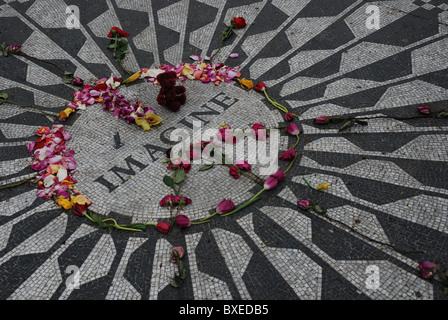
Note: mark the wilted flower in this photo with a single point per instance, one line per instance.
(14, 48)
(279, 175)
(183, 221)
(177, 251)
(424, 109)
(243, 165)
(163, 227)
(304, 204)
(167, 200)
(260, 87)
(292, 129)
(225, 206)
(288, 155)
(321, 120)
(427, 269)
(270, 183)
(80, 204)
(234, 172)
(289, 116)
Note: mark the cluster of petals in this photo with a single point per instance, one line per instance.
(205, 72)
(56, 165)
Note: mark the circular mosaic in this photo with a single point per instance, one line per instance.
(128, 179)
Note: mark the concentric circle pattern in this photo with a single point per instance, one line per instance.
(387, 181)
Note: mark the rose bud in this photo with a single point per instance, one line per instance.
(427, 269)
(13, 48)
(289, 116)
(292, 129)
(225, 206)
(288, 155)
(260, 87)
(304, 204)
(163, 227)
(183, 221)
(279, 175)
(321, 120)
(177, 251)
(115, 30)
(270, 183)
(424, 109)
(243, 165)
(239, 22)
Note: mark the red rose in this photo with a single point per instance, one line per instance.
(289, 116)
(260, 86)
(238, 22)
(117, 30)
(163, 227)
(288, 155)
(234, 171)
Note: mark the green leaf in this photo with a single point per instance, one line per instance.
(3, 96)
(320, 209)
(139, 226)
(67, 77)
(111, 45)
(5, 48)
(361, 122)
(179, 176)
(442, 114)
(168, 181)
(206, 167)
(174, 283)
(346, 125)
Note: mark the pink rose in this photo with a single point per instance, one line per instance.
(293, 129)
(270, 183)
(243, 165)
(234, 172)
(427, 269)
(225, 206)
(321, 120)
(304, 204)
(183, 221)
(288, 155)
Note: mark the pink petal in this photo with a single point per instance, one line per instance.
(234, 55)
(195, 57)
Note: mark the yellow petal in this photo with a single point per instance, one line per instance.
(80, 199)
(64, 114)
(134, 77)
(246, 83)
(143, 123)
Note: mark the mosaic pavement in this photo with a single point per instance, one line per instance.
(387, 180)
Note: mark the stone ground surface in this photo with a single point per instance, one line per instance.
(387, 180)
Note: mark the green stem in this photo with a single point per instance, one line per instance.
(209, 216)
(17, 183)
(257, 194)
(30, 106)
(120, 62)
(199, 222)
(290, 165)
(118, 226)
(309, 185)
(297, 142)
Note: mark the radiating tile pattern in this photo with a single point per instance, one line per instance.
(388, 193)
